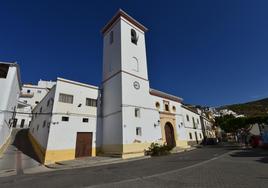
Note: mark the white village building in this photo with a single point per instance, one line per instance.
(10, 85)
(66, 113)
(30, 96)
(122, 117)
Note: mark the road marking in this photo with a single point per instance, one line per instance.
(161, 174)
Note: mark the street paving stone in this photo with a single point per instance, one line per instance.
(206, 167)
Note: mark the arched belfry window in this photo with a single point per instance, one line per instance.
(134, 36)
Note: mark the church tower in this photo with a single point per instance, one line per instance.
(128, 118)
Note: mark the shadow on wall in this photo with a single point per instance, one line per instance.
(262, 154)
(22, 143)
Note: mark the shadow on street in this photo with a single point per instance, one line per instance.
(22, 143)
(261, 153)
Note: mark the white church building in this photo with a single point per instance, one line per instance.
(122, 117)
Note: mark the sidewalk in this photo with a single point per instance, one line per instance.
(90, 162)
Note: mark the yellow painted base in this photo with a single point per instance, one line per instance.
(52, 156)
(126, 151)
(39, 150)
(5, 145)
(182, 144)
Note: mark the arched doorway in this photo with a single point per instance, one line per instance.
(169, 131)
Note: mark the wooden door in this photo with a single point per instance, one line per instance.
(169, 132)
(83, 144)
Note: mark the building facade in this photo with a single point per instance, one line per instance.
(122, 117)
(10, 85)
(30, 96)
(63, 125)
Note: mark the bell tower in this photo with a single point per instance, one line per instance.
(125, 85)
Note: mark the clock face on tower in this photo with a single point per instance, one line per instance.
(136, 85)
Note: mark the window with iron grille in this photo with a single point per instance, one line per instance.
(91, 102)
(66, 98)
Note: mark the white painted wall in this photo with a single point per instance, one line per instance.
(37, 130)
(23, 112)
(57, 140)
(9, 93)
(189, 125)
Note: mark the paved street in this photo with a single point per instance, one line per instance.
(205, 167)
(19, 155)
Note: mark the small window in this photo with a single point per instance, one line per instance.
(64, 118)
(48, 102)
(111, 37)
(91, 102)
(157, 105)
(200, 136)
(39, 91)
(28, 91)
(85, 120)
(197, 121)
(166, 107)
(25, 101)
(44, 124)
(137, 112)
(194, 125)
(4, 70)
(138, 131)
(41, 110)
(190, 136)
(36, 102)
(187, 117)
(66, 98)
(174, 108)
(22, 123)
(134, 37)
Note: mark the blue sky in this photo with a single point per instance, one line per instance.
(207, 52)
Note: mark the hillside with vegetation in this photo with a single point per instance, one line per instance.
(254, 108)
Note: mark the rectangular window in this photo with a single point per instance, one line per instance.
(166, 104)
(85, 120)
(190, 135)
(4, 70)
(48, 102)
(137, 112)
(44, 124)
(194, 126)
(22, 123)
(91, 102)
(64, 118)
(39, 91)
(66, 98)
(138, 131)
(187, 117)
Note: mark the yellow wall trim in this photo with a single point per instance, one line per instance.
(39, 150)
(5, 145)
(53, 156)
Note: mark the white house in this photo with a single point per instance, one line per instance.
(10, 84)
(192, 124)
(67, 123)
(30, 96)
(64, 122)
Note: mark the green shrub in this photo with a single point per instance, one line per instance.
(157, 150)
